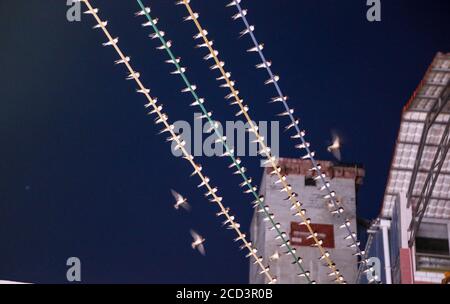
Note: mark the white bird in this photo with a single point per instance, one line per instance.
(242, 111)
(241, 14)
(177, 60)
(101, 24)
(278, 99)
(198, 169)
(247, 30)
(191, 17)
(209, 114)
(182, 2)
(206, 44)
(232, 3)
(92, 12)
(198, 102)
(335, 147)
(274, 256)
(200, 34)
(111, 42)
(275, 78)
(198, 242)
(292, 125)
(134, 75)
(150, 23)
(217, 66)
(168, 45)
(286, 113)
(143, 91)
(180, 201)
(143, 12)
(257, 48)
(127, 59)
(178, 71)
(227, 75)
(211, 55)
(157, 35)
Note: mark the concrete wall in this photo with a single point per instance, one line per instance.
(317, 210)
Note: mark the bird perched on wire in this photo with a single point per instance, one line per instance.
(198, 242)
(180, 201)
(335, 147)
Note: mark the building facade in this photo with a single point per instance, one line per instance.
(345, 180)
(411, 236)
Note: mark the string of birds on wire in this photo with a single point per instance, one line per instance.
(162, 118)
(236, 163)
(265, 150)
(330, 195)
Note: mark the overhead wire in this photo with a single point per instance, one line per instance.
(229, 151)
(162, 118)
(265, 150)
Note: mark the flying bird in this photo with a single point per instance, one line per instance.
(198, 242)
(335, 147)
(180, 201)
(274, 256)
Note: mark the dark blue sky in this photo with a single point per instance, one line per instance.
(82, 172)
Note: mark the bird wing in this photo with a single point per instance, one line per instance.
(336, 142)
(201, 249)
(335, 147)
(176, 195)
(195, 235)
(337, 153)
(186, 206)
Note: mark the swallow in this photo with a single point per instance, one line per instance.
(143, 12)
(265, 64)
(274, 79)
(133, 75)
(200, 34)
(100, 25)
(157, 35)
(248, 30)
(241, 14)
(91, 11)
(191, 17)
(232, 3)
(257, 48)
(120, 61)
(111, 42)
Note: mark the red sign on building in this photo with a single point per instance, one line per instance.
(299, 234)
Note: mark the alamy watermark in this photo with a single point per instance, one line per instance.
(73, 274)
(374, 271)
(374, 11)
(202, 139)
(74, 12)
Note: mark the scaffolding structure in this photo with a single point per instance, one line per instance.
(418, 186)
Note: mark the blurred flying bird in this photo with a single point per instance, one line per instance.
(180, 201)
(274, 256)
(198, 242)
(335, 147)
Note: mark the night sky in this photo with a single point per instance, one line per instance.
(83, 172)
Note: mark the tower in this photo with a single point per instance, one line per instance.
(345, 180)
